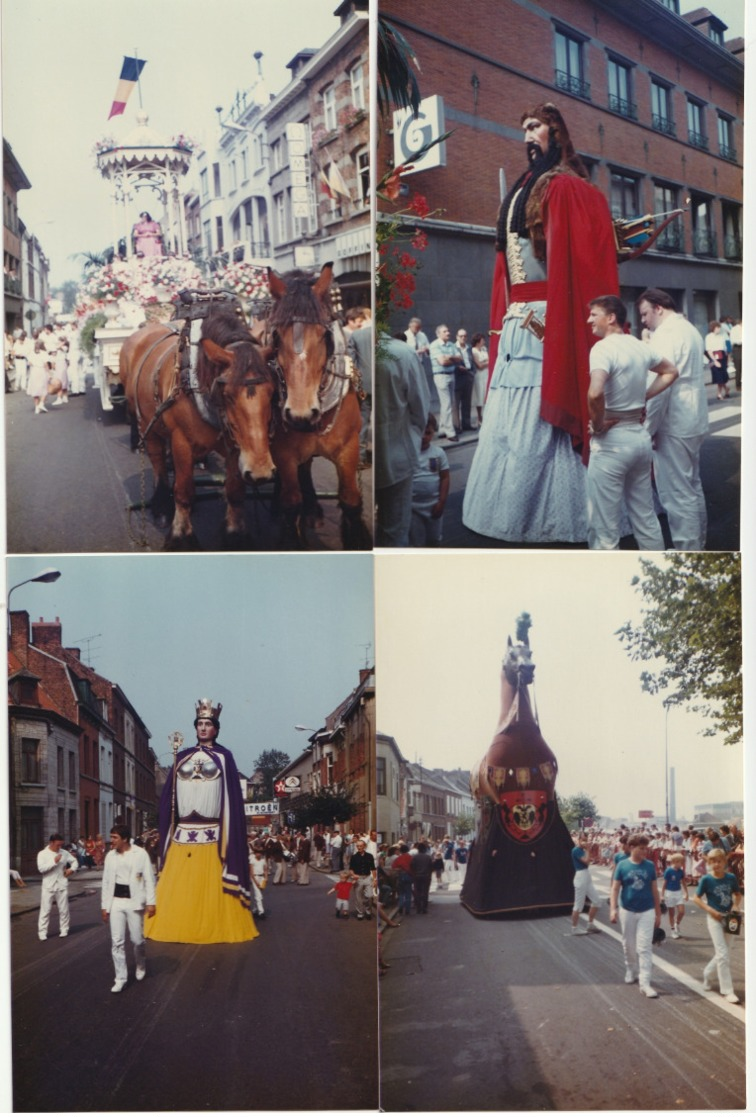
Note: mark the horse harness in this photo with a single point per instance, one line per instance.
(338, 375)
(195, 307)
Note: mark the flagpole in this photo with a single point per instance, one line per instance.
(139, 76)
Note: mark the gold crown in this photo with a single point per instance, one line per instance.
(206, 709)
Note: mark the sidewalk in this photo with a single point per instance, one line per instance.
(83, 882)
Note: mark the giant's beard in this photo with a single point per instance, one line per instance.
(540, 163)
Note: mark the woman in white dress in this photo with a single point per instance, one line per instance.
(480, 387)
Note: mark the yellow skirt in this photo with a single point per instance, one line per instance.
(191, 905)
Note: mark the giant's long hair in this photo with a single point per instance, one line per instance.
(559, 156)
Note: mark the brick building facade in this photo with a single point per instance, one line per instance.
(654, 105)
(110, 773)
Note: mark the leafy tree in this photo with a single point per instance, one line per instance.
(325, 806)
(67, 293)
(270, 763)
(464, 824)
(575, 808)
(691, 627)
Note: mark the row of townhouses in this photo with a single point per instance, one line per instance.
(79, 753)
(415, 802)
(26, 269)
(340, 754)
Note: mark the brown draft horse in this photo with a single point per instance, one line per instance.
(234, 389)
(319, 411)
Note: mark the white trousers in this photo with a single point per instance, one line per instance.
(257, 896)
(721, 960)
(678, 483)
(637, 942)
(122, 917)
(60, 897)
(620, 466)
(584, 890)
(445, 387)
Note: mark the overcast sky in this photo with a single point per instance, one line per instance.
(441, 632)
(61, 64)
(278, 639)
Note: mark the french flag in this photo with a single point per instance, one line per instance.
(130, 71)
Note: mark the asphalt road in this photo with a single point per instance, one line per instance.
(288, 1021)
(720, 477)
(518, 1015)
(74, 485)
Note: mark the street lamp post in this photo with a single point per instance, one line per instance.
(49, 574)
(670, 701)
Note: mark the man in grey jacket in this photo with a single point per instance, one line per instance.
(128, 890)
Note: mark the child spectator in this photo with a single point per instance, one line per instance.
(343, 889)
(674, 892)
(718, 894)
(258, 877)
(430, 489)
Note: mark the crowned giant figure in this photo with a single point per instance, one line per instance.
(203, 892)
(522, 854)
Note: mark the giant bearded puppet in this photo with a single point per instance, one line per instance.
(203, 892)
(555, 251)
(521, 858)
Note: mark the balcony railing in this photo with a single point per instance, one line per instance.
(704, 242)
(671, 240)
(728, 152)
(624, 108)
(697, 139)
(573, 85)
(733, 248)
(11, 286)
(663, 124)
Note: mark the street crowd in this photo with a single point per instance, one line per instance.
(652, 872)
(585, 431)
(47, 364)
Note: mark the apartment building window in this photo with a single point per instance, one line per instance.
(716, 35)
(276, 155)
(624, 195)
(219, 233)
(61, 768)
(620, 89)
(569, 64)
(234, 175)
(204, 189)
(357, 80)
(217, 180)
(666, 198)
(279, 208)
(726, 137)
(704, 237)
(72, 771)
(208, 236)
(380, 775)
(673, 5)
(245, 164)
(329, 108)
(661, 108)
(732, 217)
(362, 161)
(697, 124)
(31, 769)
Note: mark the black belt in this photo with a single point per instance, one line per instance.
(122, 892)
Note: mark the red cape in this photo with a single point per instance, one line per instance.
(582, 264)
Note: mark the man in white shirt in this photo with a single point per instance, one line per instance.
(620, 461)
(128, 890)
(678, 420)
(55, 865)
